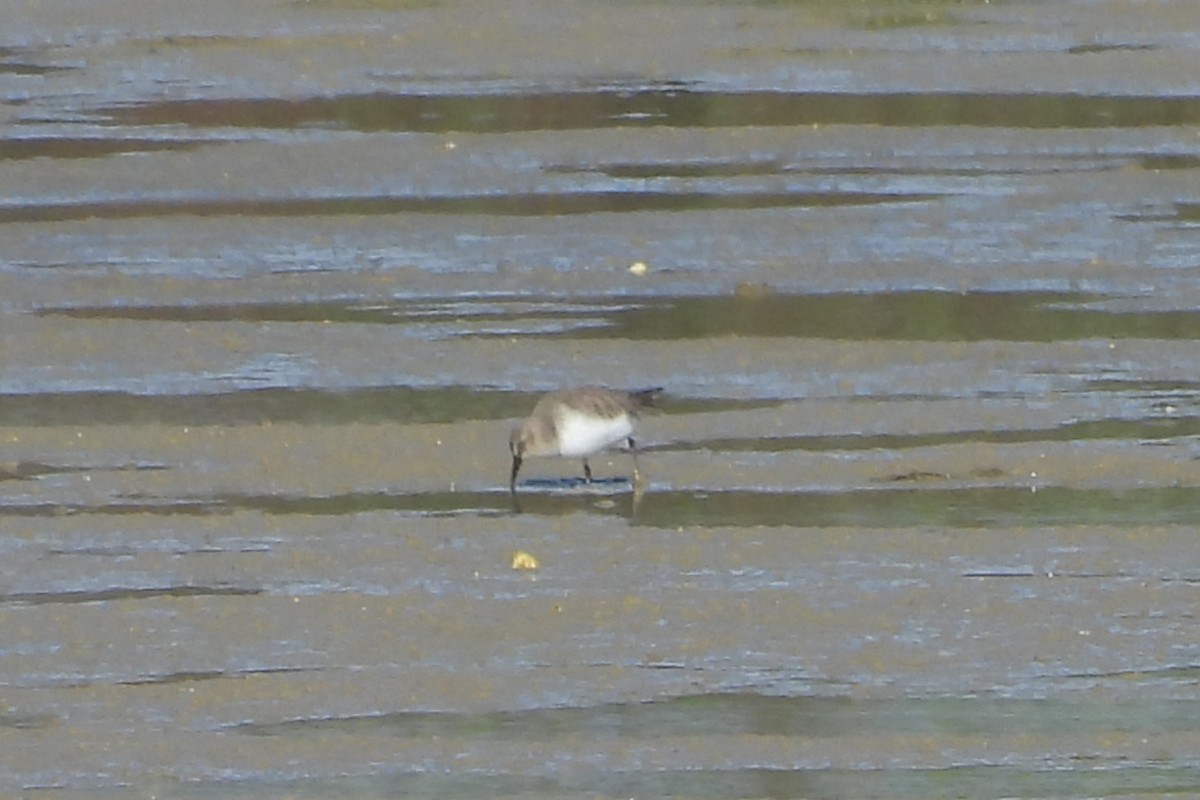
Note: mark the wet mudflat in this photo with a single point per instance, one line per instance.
(920, 280)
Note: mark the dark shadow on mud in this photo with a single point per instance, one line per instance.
(671, 105)
(83, 147)
(122, 593)
(900, 505)
(737, 716)
(548, 204)
(754, 311)
(385, 404)
(1146, 430)
(194, 676)
(749, 714)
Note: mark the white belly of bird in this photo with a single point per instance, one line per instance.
(582, 434)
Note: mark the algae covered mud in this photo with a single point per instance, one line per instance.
(922, 495)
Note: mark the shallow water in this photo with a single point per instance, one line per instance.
(919, 280)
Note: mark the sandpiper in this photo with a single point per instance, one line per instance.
(578, 423)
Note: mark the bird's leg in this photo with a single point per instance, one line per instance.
(587, 471)
(512, 479)
(637, 475)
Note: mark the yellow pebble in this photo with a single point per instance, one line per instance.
(523, 560)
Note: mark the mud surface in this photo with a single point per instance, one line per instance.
(920, 280)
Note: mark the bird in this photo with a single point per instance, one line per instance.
(577, 423)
